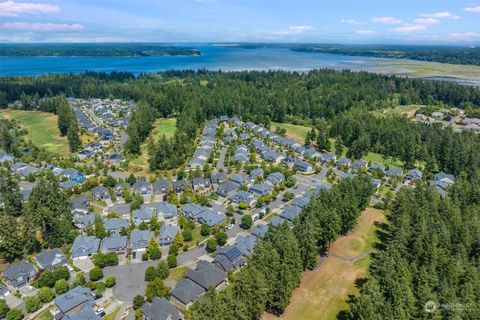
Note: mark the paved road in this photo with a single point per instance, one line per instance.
(221, 159)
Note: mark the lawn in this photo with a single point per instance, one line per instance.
(177, 273)
(196, 237)
(42, 129)
(408, 110)
(294, 131)
(323, 292)
(162, 126)
(46, 315)
(111, 316)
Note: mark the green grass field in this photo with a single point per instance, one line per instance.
(323, 292)
(408, 110)
(162, 126)
(42, 129)
(177, 273)
(294, 131)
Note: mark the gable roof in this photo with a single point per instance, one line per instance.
(116, 224)
(290, 212)
(84, 246)
(18, 273)
(168, 232)
(114, 243)
(260, 230)
(206, 275)
(161, 309)
(167, 210)
(73, 298)
(187, 291)
(50, 258)
(139, 238)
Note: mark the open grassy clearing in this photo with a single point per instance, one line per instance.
(162, 126)
(46, 315)
(323, 292)
(296, 132)
(430, 69)
(177, 273)
(113, 315)
(408, 110)
(42, 129)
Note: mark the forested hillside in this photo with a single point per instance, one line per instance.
(430, 253)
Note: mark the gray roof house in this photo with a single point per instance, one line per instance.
(72, 302)
(301, 202)
(200, 183)
(122, 209)
(227, 189)
(116, 224)
(51, 258)
(166, 210)
(275, 178)
(186, 292)
(80, 204)
(142, 186)
(343, 162)
(160, 309)
(328, 157)
(100, 192)
(359, 163)
(258, 172)
(179, 185)
(239, 179)
(245, 244)
(144, 214)
(228, 258)
(394, 171)
(377, 167)
(161, 186)
(219, 177)
(4, 291)
(290, 213)
(210, 217)
(414, 174)
(260, 230)
(444, 176)
(139, 239)
(84, 246)
(116, 244)
(261, 189)
(120, 187)
(207, 275)
(303, 166)
(243, 196)
(19, 273)
(167, 234)
(192, 210)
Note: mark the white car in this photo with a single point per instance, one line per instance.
(230, 226)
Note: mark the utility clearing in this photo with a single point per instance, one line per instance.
(323, 292)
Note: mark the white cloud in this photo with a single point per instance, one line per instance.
(300, 29)
(386, 20)
(409, 28)
(472, 9)
(13, 9)
(351, 21)
(451, 37)
(42, 27)
(426, 21)
(365, 31)
(440, 15)
(465, 36)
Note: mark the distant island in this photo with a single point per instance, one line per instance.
(94, 50)
(442, 54)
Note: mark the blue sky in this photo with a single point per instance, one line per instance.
(354, 21)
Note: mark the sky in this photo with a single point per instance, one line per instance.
(330, 21)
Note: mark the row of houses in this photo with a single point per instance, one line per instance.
(205, 147)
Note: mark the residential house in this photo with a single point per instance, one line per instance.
(243, 196)
(301, 202)
(258, 172)
(82, 221)
(343, 162)
(328, 157)
(186, 292)
(117, 244)
(311, 153)
(160, 309)
(4, 291)
(139, 239)
(76, 304)
(377, 167)
(240, 179)
(272, 156)
(100, 192)
(166, 210)
(167, 234)
(276, 221)
(210, 217)
(120, 187)
(359, 163)
(261, 189)
(161, 186)
(394, 171)
(414, 175)
(51, 258)
(144, 214)
(219, 177)
(227, 189)
(84, 247)
(192, 210)
(228, 258)
(114, 225)
(143, 187)
(19, 273)
(122, 209)
(207, 275)
(303, 166)
(179, 186)
(245, 244)
(80, 205)
(289, 213)
(260, 230)
(200, 184)
(6, 157)
(275, 178)
(376, 183)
